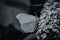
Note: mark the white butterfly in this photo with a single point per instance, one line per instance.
(27, 22)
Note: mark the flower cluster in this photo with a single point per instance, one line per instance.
(49, 20)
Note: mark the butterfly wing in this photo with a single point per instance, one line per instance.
(27, 22)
